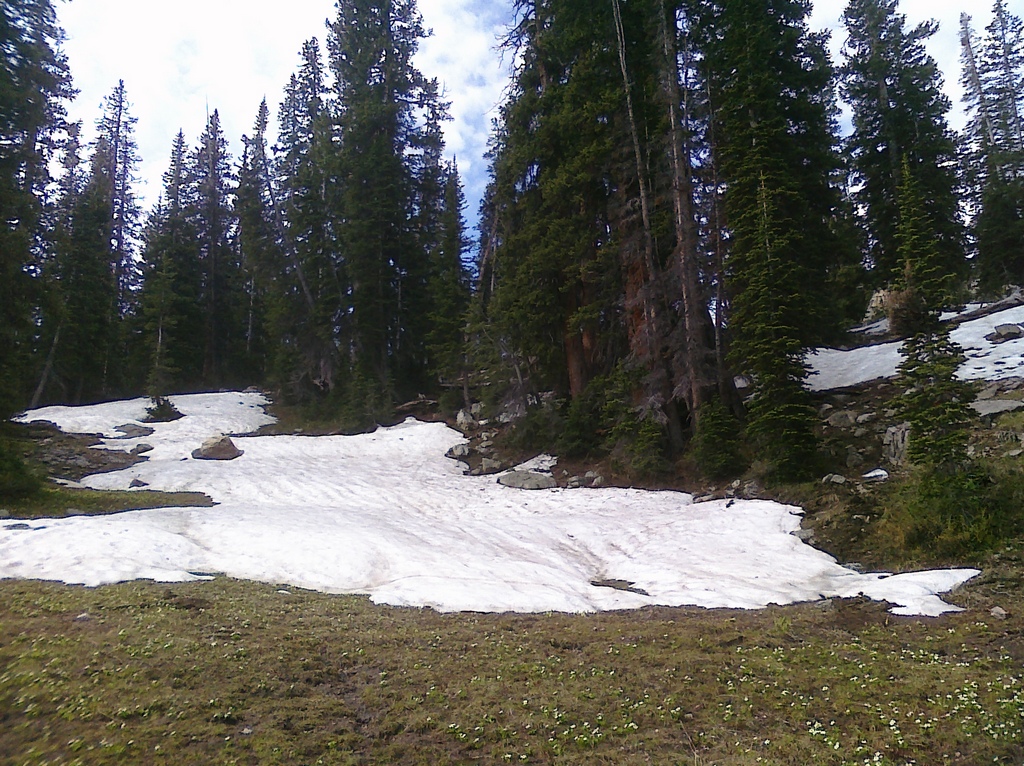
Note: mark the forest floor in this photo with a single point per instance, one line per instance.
(229, 671)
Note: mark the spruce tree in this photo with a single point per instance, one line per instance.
(994, 159)
(899, 113)
(34, 85)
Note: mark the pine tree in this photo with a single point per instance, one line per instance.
(221, 281)
(170, 300)
(371, 47)
(899, 113)
(34, 84)
(449, 291)
(994, 160)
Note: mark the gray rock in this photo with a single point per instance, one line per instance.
(487, 465)
(1014, 453)
(598, 482)
(1009, 331)
(137, 484)
(485, 445)
(860, 433)
(134, 431)
(527, 480)
(574, 483)
(217, 448)
(806, 535)
(867, 417)
(838, 479)
(465, 421)
(476, 410)
(825, 410)
(458, 452)
(4, 513)
(999, 613)
(989, 392)
(842, 419)
(990, 407)
(142, 449)
(854, 459)
(894, 443)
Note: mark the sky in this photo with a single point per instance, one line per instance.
(180, 59)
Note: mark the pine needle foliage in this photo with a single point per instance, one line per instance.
(935, 403)
(768, 347)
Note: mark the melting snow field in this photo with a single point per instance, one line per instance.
(833, 368)
(386, 514)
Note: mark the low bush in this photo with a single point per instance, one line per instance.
(955, 515)
(16, 480)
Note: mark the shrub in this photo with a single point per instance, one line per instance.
(955, 514)
(716, 445)
(162, 411)
(16, 480)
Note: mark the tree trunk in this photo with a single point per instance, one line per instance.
(47, 369)
(651, 293)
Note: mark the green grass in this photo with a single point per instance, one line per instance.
(58, 502)
(232, 672)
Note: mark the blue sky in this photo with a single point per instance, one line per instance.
(178, 59)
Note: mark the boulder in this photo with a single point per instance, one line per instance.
(1009, 331)
(894, 443)
(527, 480)
(842, 419)
(458, 452)
(465, 421)
(217, 448)
(133, 431)
(137, 484)
(988, 407)
(142, 449)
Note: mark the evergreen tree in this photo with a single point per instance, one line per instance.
(371, 46)
(221, 281)
(899, 113)
(170, 302)
(34, 84)
(775, 151)
(993, 83)
(449, 291)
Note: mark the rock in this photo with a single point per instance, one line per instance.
(860, 433)
(598, 482)
(590, 475)
(142, 449)
(842, 419)
(246, 731)
(137, 484)
(527, 480)
(574, 483)
(217, 448)
(485, 445)
(989, 392)
(1009, 331)
(867, 417)
(825, 410)
(805, 535)
(476, 410)
(83, 617)
(4, 513)
(458, 452)
(1014, 453)
(990, 407)
(999, 613)
(838, 479)
(894, 443)
(133, 431)
(879, 474)
(465, 421)
(854, 459)
(487, 465)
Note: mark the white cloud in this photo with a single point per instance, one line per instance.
(178, 59)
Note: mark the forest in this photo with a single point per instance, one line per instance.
(673, 205)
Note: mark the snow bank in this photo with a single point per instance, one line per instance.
(832, 368)
(385, 514)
